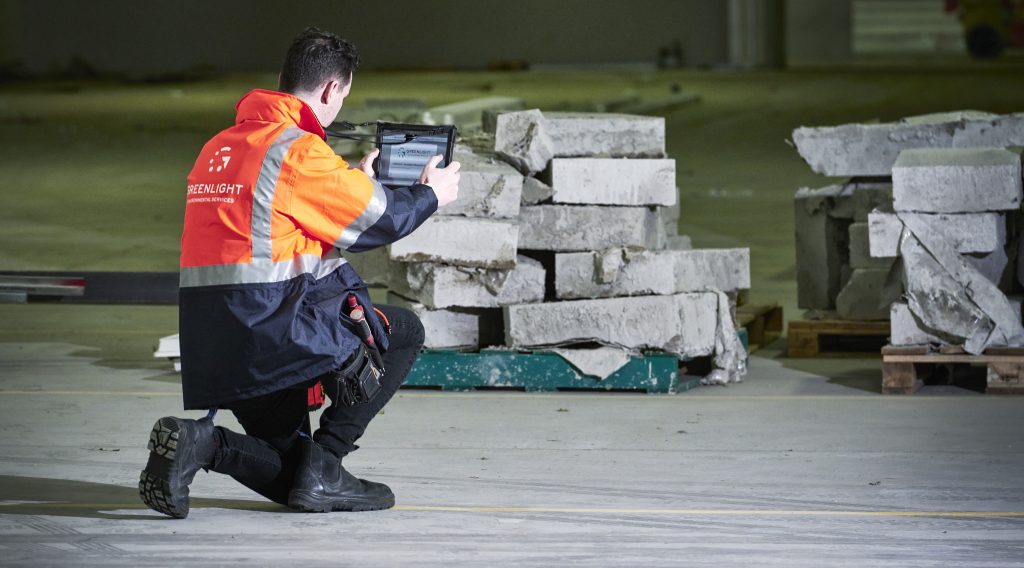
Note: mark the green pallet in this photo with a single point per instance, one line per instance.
(744, 339)
(494, 369)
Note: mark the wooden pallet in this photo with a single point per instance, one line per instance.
(900, 367)
(763, 324)
(834, 338)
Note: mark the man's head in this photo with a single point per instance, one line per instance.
(318, 69)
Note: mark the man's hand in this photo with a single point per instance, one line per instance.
(444, 181)
(366, 164)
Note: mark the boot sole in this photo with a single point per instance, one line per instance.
(313, 503)
(154, 490)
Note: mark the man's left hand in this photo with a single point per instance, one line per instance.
(366, 164)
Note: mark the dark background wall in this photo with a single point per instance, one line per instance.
(129, 36)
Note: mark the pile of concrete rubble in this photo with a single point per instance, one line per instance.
(564, 239)
(926, 230)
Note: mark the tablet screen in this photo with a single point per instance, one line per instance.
(404, 153)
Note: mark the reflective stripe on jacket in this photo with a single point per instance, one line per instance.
(269, 207)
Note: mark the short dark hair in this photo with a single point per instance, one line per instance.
(316, 57)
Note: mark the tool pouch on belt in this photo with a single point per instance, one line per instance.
(356, 382)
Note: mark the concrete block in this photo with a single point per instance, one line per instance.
(461, 241)
(957, 180)
(631, 272)
(583, 134)
(822, 244)
(860, 249)
(905, 329)
(444, 329)
(861, 298)
(584, 228)
(606, 181)
(521, 139)
(604, 134)
(444, 286)
(535, 191)
(966, 233)
(871, 149)
(488, 188)
(684, 324)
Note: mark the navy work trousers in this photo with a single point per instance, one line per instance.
(264, 459)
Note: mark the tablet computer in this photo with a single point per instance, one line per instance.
(406, 148)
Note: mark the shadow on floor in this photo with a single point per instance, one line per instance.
(67, 498)
(866, 379)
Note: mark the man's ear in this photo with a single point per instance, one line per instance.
(329, 91)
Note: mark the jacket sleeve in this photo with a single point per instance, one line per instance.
(342, 205)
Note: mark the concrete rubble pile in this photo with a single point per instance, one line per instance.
(564, 239)
(931, 241)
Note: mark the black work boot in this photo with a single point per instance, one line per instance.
(322, 485)
(178, 448)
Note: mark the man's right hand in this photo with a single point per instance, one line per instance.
(444, 181)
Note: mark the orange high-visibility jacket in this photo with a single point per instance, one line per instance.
(269, 207)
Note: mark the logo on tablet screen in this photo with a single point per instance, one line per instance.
(405, 152)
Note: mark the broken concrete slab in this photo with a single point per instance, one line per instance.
(462, 241)
(588, 227)
(906, 329)
(966, 233)
(535, 191)
(488, 187)
(822, 244)
(861, 298)
(444, 286)
(443, 329)
(607, 181)
(630, 272)
(730, 355)
(521, 139)
(860, 249)
(948, 294)
(872, 149)
(957, 180)
(683, 324)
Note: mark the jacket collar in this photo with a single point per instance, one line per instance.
(272, 106)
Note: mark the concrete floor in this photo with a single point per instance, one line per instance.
(804, 464)
(788, 469)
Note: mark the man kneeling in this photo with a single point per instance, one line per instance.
(269, 309)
